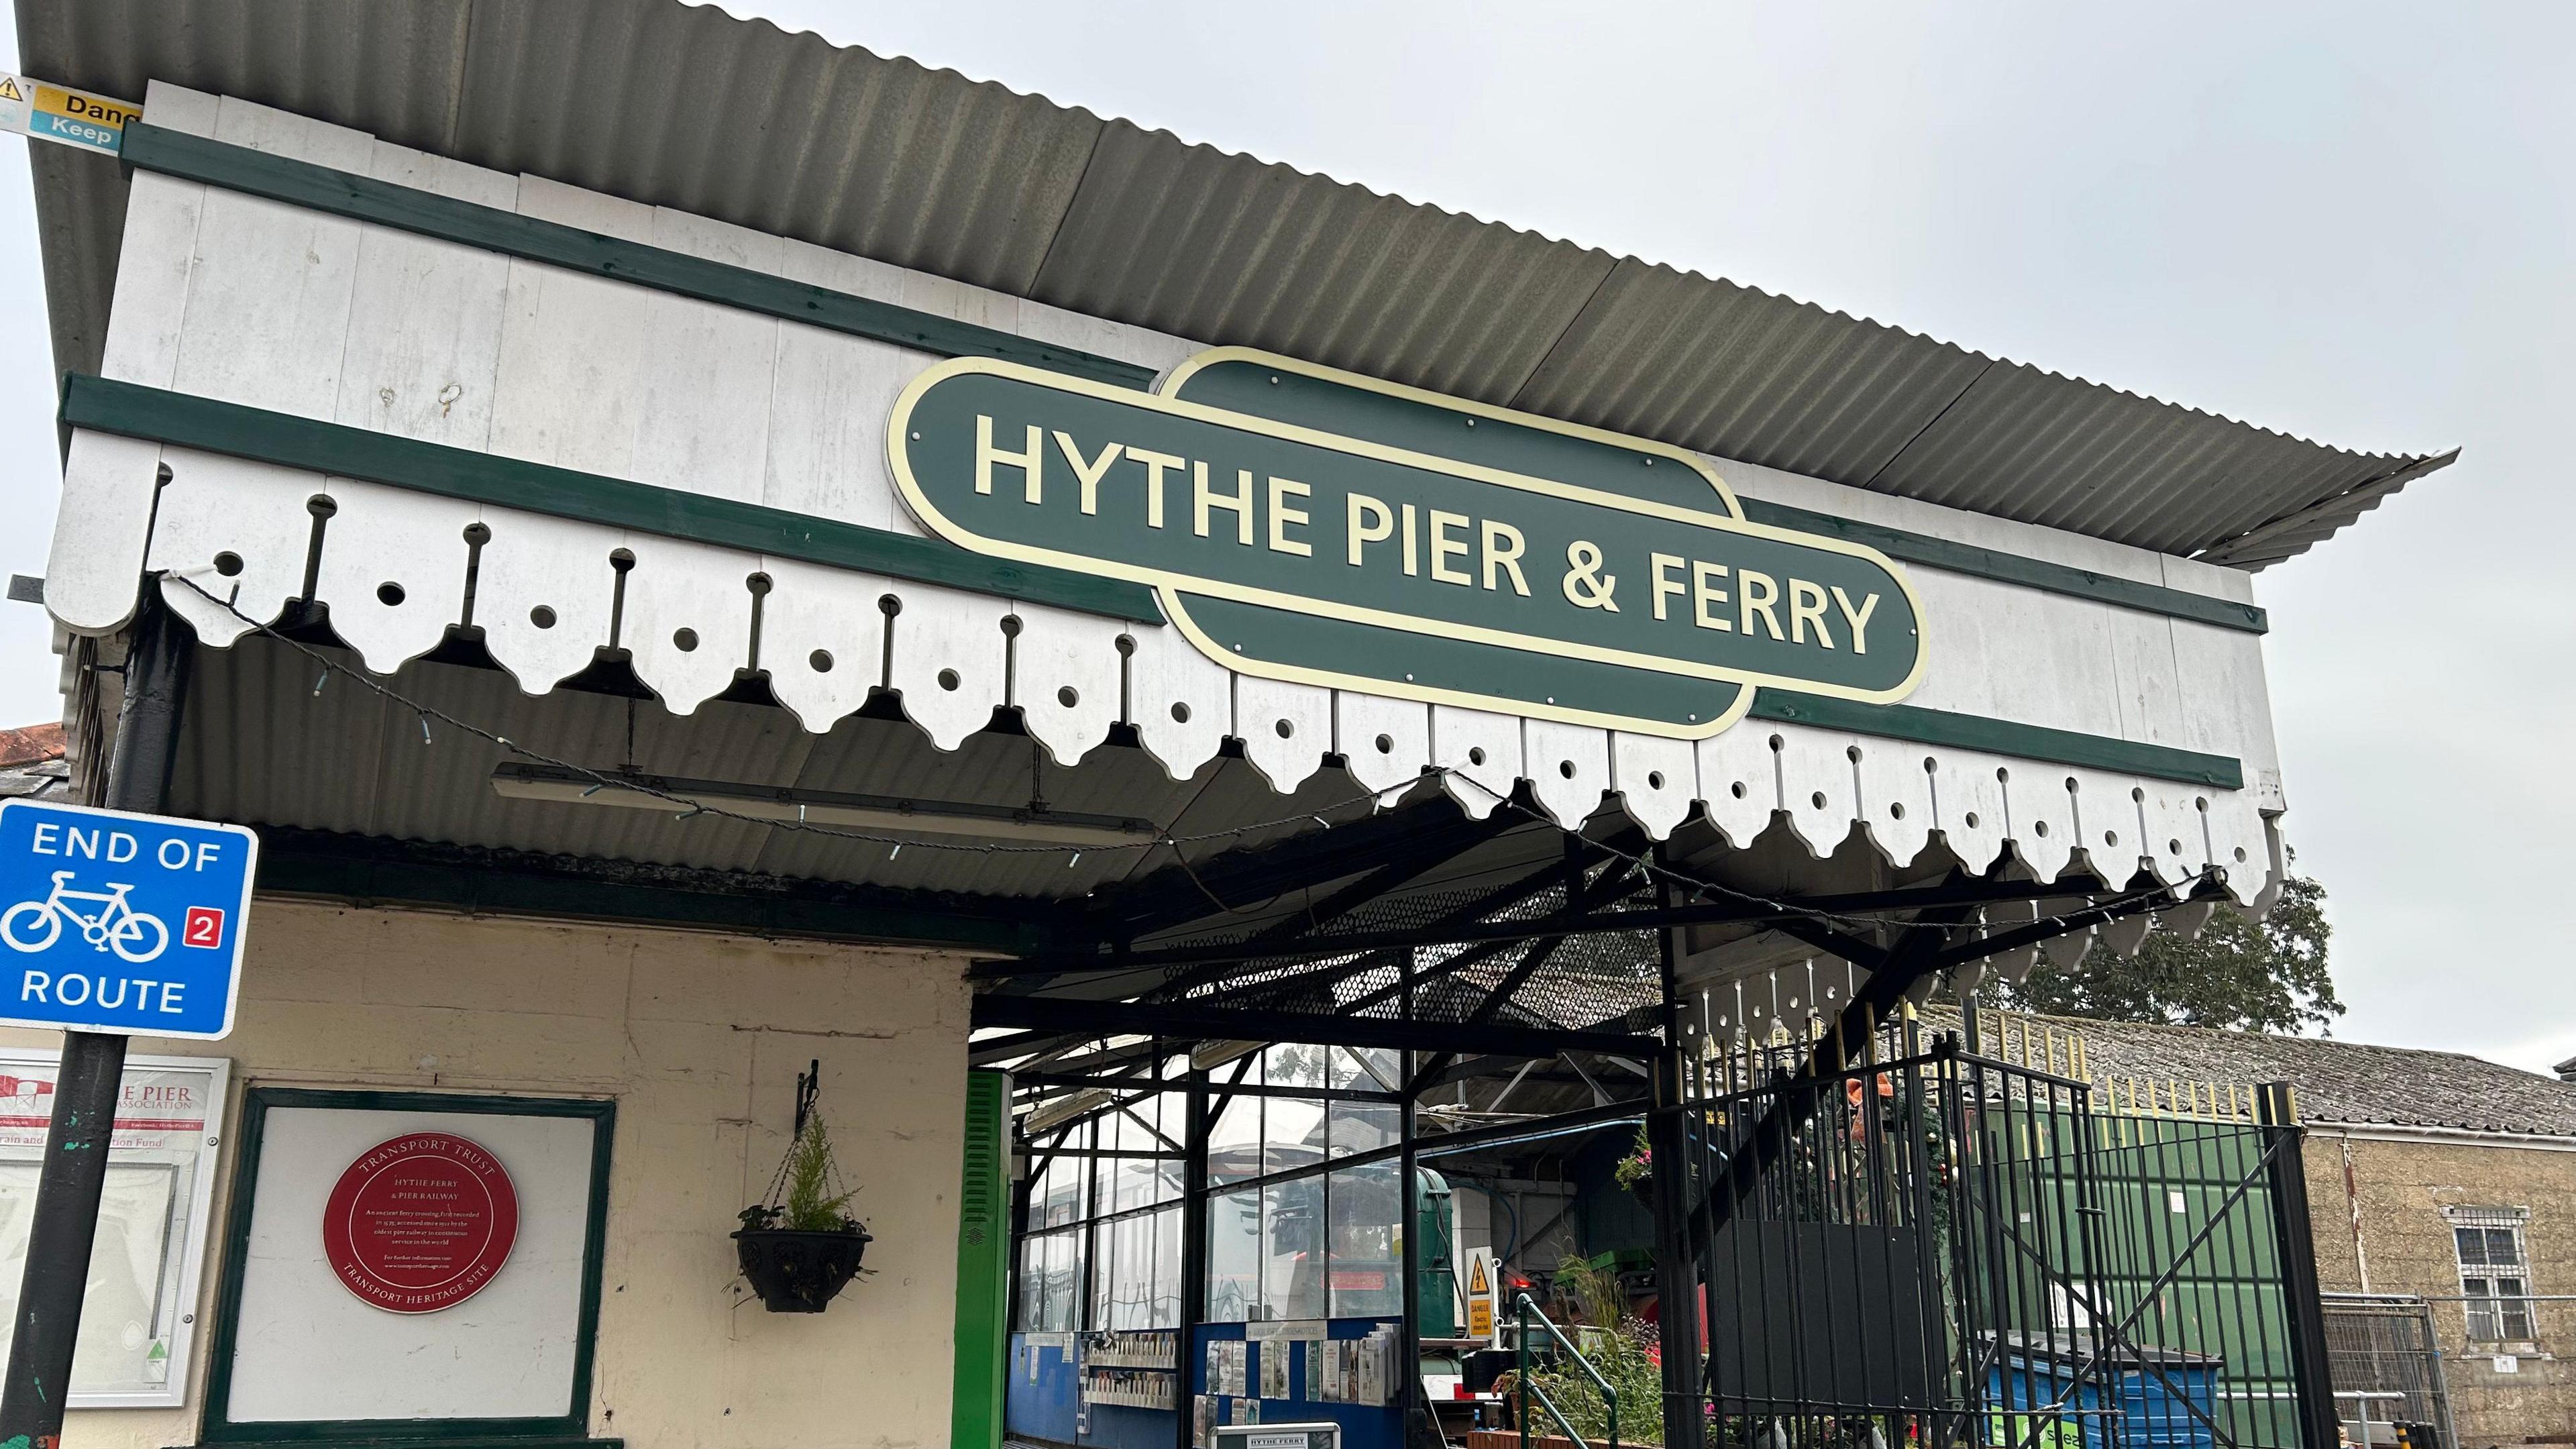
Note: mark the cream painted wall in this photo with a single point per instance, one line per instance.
(699, 1039)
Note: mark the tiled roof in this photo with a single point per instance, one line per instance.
(2336, 1081)
(31, 761)
(31, 745)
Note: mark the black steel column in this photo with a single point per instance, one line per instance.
(86, 1090)
(1408, 1252)
(1194, 1245)
(1668, 1141)
(2286, 1175)
(1020, 1188)
(1409, 1349)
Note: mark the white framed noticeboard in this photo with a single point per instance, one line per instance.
(141, 1313)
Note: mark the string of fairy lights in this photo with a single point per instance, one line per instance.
(1693, 889)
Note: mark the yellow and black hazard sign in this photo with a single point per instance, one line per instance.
(1480, 1295)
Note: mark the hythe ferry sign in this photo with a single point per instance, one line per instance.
(1315, 526)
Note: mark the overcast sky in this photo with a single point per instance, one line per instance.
(2350, 222)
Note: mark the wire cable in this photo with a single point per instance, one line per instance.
(1699, 890)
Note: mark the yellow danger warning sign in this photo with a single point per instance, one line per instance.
(61, 114)
(1480, 1295)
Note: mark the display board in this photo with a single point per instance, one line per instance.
(141, 1312)
(412, 1256)
(1342, 1371)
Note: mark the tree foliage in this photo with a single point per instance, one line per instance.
(2267, 975)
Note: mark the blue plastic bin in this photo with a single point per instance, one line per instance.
(2144, 1398)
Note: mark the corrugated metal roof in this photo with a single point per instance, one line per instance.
(1228, 249)
(264, 746)
(929, 170)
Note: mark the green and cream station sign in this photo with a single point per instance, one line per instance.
(1312, 526)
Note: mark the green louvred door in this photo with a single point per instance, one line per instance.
(983, 1264)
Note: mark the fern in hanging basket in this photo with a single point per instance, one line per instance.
(800, 1247)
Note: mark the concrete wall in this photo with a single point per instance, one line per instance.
(2399, 1189)
(699, 1039)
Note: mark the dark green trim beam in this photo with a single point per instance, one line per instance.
(183, 420)
(2001, 737)
(2010, 568)
(361, 198)
(1197, 1022)
(367, 870)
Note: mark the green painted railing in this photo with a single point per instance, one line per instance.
(1521, 1384)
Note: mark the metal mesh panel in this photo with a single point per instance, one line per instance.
(2387, 1369)
(1609, 980)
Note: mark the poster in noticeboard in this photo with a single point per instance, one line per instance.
(140, 1314)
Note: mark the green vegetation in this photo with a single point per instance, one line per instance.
(810, 1205)
(1622, 1349)
(2267, 975)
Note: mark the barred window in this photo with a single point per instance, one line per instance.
(2495, 1275)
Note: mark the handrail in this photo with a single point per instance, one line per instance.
(1553, 1412)
(1527, 1309)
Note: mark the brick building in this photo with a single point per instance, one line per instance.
(2433, 1178)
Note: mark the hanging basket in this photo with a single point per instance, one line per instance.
(798, 1247)
(799, 1272)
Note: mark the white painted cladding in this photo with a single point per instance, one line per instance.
(255, 302)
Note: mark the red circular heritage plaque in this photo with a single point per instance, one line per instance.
(420, 1222)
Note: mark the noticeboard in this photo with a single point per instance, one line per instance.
(140, 1314)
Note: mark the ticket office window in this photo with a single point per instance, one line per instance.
(1103, 1246)
(1324, 1244)
(410, 1264)
(1313, 1240)
(1310, 1240)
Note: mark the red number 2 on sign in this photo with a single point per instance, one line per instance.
(204, 927)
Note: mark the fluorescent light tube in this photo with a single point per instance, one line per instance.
(1015, 823)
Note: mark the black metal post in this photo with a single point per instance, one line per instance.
(2319, 1424)
(65, 1224)
(1410, 1343)
(1668, 1142)
(1021, 1187)
(1409, 1404)
(1194, 1245)
(1892, 971)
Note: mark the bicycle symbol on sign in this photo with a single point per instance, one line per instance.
(115, 926)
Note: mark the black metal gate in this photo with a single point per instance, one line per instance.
(1929, 1247)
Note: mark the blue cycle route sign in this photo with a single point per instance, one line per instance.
(121, 923)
